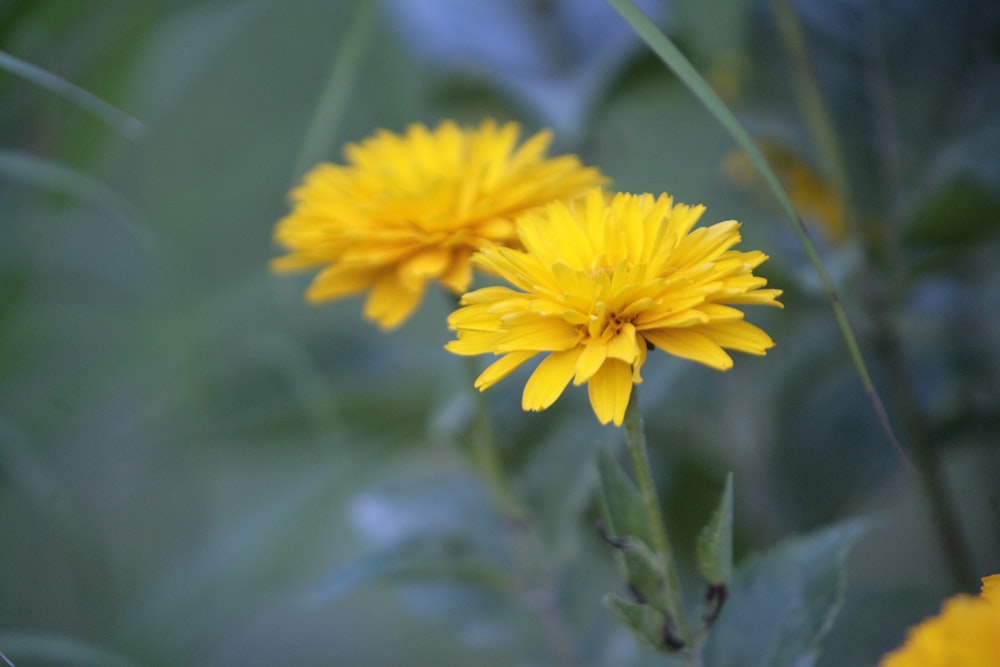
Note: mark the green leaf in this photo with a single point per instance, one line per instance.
(50, 175)
(119, 120)
(715, 543)
(623, 508)
(784, 602)
(646, 623)
(648, 572)
(417, 560)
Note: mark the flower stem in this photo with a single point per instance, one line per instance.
(929, 467)
(636, 437)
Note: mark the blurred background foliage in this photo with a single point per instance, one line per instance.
(197, 468)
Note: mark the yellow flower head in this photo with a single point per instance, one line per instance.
(413, 208)
(603, 280)
(965, 634)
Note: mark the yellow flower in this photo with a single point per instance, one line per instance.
(965, 634)
(603, 280)
(409, 209)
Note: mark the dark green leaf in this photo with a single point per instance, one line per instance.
(715, 544)
(963, 211)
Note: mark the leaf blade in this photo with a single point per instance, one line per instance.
(714, 549)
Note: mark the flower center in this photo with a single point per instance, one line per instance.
(604, 326)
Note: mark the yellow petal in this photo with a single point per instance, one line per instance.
(458, 276)
(390, 302)
(472, 342)
(639, 362)
(544, 334)
(428, 263)
(609, 390)
(293, 262)
(501, 368)
(718, 312)
(624, 345)
(690, 345)
(549, 380)
(590, 361)
(489, 295)
(991, 588)
(759, 297)
(739, 335)
(336, 281)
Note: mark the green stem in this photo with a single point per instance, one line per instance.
(635, 435)
(929, 469)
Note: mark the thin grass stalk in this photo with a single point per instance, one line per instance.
(333, 102)
(114, 117)
(685, 71)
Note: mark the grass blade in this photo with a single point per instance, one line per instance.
(337, 89)
(126, 125)
(685, 71)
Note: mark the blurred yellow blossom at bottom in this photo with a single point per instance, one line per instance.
(965, 634)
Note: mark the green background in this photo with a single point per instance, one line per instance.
(198, 468)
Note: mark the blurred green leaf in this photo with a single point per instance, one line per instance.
(964, 210)
(119, 120)
(784, 602)
(59, 650)
(49, 175)
(715, 544)
(453, 561)
(439, 527)
(714, 28)
(646, 623)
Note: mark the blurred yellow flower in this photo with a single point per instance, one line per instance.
(601, 281)
(413, 208)
(809, 190)
(965, 634)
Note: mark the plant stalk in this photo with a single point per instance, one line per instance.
(635, 436)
